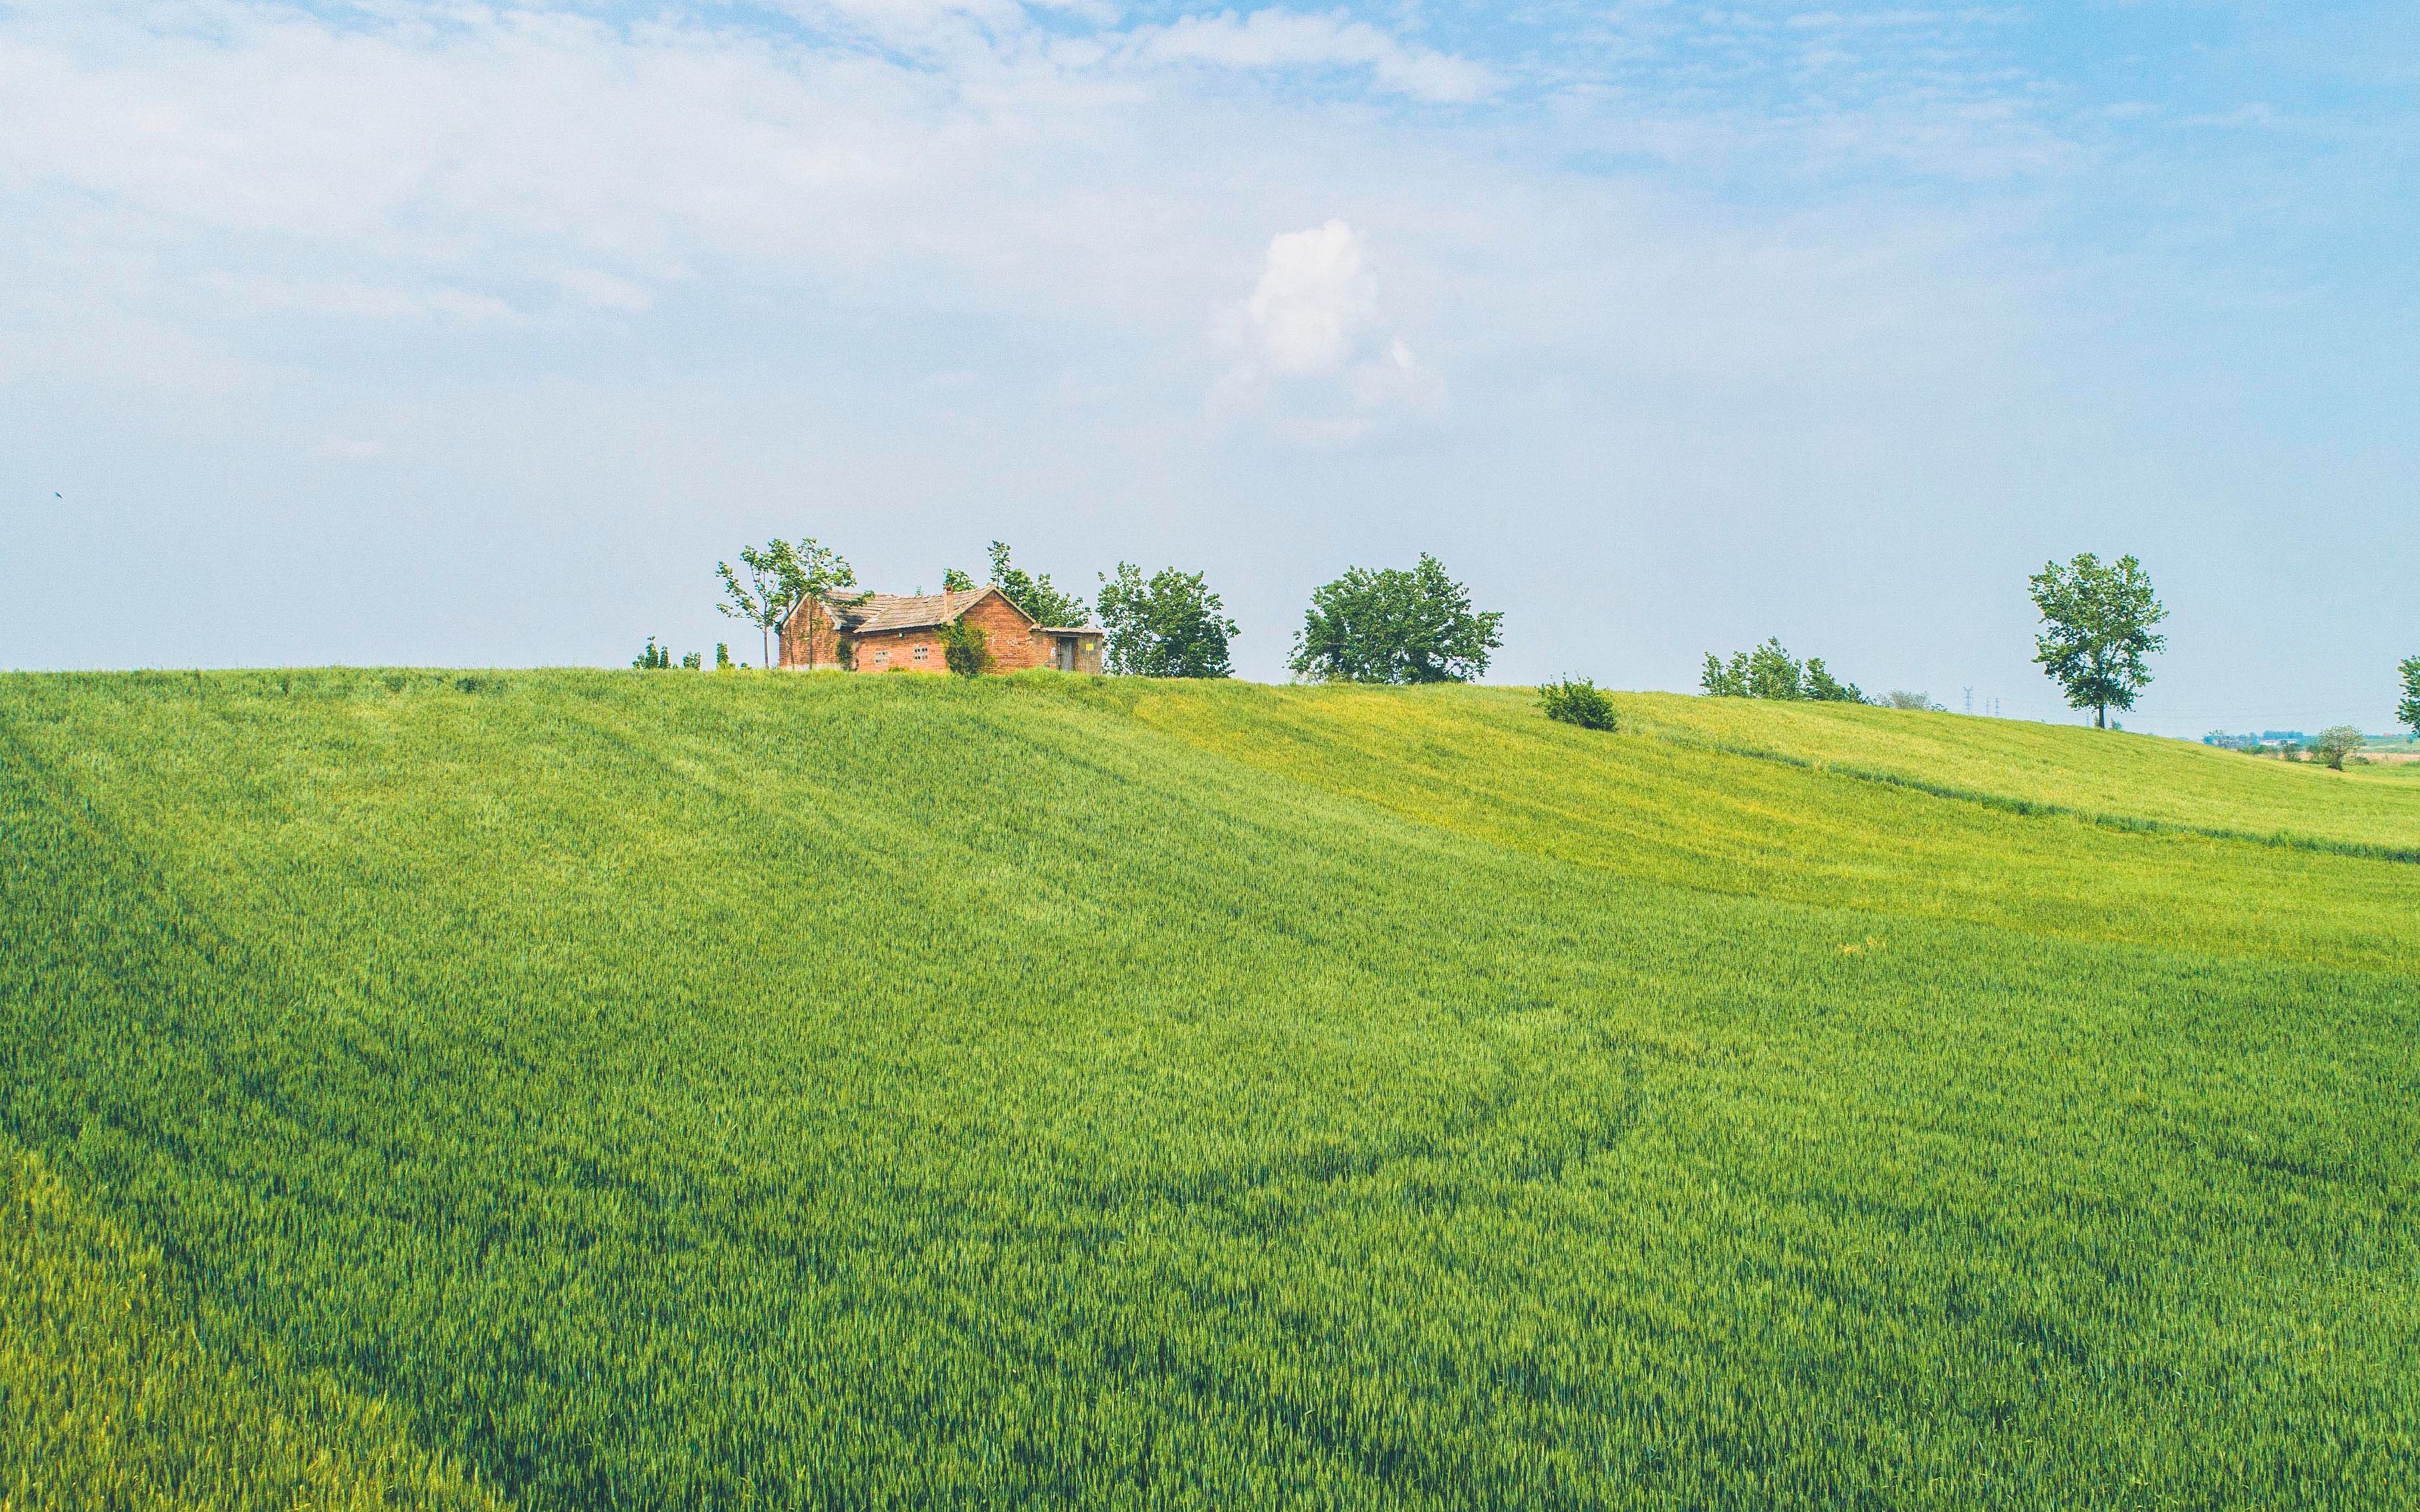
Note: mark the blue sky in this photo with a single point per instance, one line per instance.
(476, 334)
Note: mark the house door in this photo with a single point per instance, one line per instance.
(1064, 657)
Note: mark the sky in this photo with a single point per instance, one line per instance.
(441, 333)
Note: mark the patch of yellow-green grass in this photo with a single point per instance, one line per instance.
(1484, 763)
(2107, 774)
(110, 1398)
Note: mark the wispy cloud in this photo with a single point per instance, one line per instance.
(1294, 39)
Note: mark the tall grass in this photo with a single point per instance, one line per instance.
(109, 1397)
(879, 1092)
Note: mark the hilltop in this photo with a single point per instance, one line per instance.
(571, 1089)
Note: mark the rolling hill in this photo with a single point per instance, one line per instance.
(587, 1089)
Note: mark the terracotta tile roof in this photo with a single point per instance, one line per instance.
(909, 611)
(922, 611)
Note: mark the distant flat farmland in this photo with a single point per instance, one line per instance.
(672, 1089)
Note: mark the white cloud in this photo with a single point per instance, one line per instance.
(1286, 38)
(1313, 299)
(1308, 337)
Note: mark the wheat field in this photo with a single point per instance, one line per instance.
(616, 1089)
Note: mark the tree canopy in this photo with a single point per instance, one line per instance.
(2408, 712)
(1170, 625)
(2097, 632)
(1395, 626)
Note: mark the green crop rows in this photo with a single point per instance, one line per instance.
(584, 1090)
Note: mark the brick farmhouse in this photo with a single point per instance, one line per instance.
(901, 632)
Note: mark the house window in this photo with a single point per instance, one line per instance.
(884, 655)
(920, 652)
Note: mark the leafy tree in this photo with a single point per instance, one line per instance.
(780, 575)
(955, 581)
(966, 648)
(1170, 626)
(775, 582)
(2097, 631)
(1395, 626)
(2408, 712)
(1034, 594)
(1900, 698)
(2335, 743)
(652, 659)
(1576, 701)
(723, 656)
(691, 661)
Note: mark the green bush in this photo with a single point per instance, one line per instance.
(966, 648)
(1576, 701)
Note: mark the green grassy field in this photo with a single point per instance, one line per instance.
(567, 1091)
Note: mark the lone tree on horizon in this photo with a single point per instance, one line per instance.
(2097, 631)
(2408, 712)
(1395, 626)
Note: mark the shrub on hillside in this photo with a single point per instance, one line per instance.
(1576, 701)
